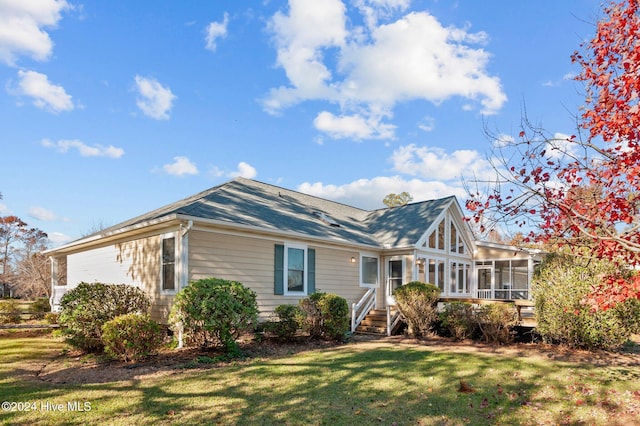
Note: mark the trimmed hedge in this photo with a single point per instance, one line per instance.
(131, 337)
(215, 312)
(87, 307)
(326, 315)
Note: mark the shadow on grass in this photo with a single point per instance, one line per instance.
(349, 385)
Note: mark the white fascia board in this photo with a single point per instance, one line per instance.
(134, 229)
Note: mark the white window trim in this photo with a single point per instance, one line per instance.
(176, 264)
(362, 283)
(285, 269)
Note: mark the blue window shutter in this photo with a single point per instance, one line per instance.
(311, 274)
(278, 287)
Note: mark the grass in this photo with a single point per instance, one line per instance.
(347, 385)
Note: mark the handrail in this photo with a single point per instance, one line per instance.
(361, 309)
(392, 321)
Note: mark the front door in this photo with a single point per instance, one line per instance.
(394, 279)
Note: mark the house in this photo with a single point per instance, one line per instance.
(285, 245)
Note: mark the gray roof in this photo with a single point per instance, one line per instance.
(256, 204)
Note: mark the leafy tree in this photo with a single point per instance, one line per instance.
(397, 200)
(12, 231)
(559, 286)
(581, 190)
(23, 265)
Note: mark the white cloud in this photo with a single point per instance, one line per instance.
(245, 170)
(301, 36)
(436, 163)
(58, 238)
(45, 95)
(503, 140)
(411, 58)
(427, 124)
(45, 215)
(353, 126)
(216, 30)
(154, 100)
(4, 209)
(84, 149)
(369, 193)
(181, 166)
(22, 24)
(560, 146)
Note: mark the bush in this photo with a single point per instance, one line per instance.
(51, 317)
(417, 303)
(287, 321)
(10, 312)
(459, 320)
(87, 307)
(39, 308)
(495, 322)
(312, 317)
(334, 311)
(325, 315)
(215, 312)
(560, 285)
(131, 337)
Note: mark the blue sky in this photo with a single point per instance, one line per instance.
(111, 109)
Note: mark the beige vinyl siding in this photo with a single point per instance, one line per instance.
(336, 274)
(251, 262)
(104, 265)
(134, 262)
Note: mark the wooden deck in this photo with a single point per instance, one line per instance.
(524, 307)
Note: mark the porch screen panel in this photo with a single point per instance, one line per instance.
(519, 279)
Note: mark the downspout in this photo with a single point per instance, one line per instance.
(184, 270)
(53, 279)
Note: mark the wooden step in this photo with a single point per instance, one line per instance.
(375, 322)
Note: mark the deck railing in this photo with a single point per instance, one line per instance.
(361, 309)
(503, 294)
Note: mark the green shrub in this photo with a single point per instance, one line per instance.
(87, 307)
(495, 322)
(334, 311)
(131, 337)
(325, 315)
(459, 320)
(312, 317)
(560, 285)
(417, 302)
(215, 312)
(287, 321)
(39, 308)
(51, 317)
(10, 312)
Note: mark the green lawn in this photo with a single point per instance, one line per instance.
(352, 384)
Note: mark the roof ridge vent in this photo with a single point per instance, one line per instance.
(326, 219)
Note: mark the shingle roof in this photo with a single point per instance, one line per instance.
(256, 204)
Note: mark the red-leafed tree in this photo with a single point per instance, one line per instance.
(584, 189)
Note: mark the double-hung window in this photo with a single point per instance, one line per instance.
(294, 270)
(295, 261)
(168, 272)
